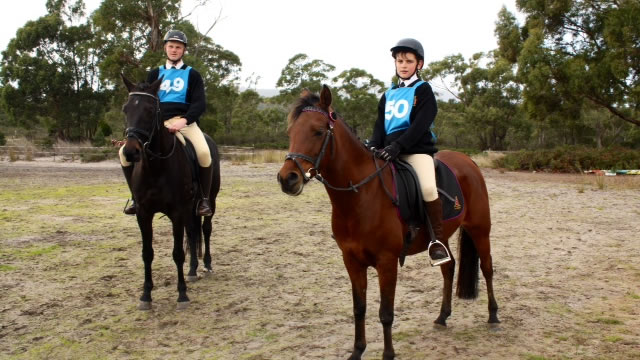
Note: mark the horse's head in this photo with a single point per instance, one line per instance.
(142, 112)
(310, 130)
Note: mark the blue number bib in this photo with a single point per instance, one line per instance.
(175, 83)
(398, 105)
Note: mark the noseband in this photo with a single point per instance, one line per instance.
(139, 134)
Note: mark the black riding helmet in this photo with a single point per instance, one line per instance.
(408, 44)
(176, 35)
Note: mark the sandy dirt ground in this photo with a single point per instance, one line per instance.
(565, 250)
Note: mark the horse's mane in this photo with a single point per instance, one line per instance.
(311, 100)
(308, 100)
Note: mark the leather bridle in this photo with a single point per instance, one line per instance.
(141, 135)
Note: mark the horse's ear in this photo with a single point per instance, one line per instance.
(153, 88)
(325, 97)
(130, 86)
(305, 92)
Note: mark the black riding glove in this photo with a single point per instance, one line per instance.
(389, 153)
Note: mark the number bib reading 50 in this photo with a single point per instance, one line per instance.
(175, 83)
(397, 110)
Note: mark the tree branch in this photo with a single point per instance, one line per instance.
(613, 110)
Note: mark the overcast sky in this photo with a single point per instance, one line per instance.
(344, 33)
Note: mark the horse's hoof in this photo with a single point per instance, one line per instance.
(182, 305)
(144, 305)
(191, 278)
(439, 325)
(440, 322)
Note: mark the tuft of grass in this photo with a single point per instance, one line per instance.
(613, 338)
(608, 321)
(601, 182)
(7, 267)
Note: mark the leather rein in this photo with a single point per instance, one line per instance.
(331, 116)
(138, 134)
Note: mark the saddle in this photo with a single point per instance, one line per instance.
(409, 196)
(190, 151)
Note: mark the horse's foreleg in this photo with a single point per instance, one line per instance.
(178, 259)
(358, 276)
(447, 270)
(146, 229)
(388, 276)
(206, 230)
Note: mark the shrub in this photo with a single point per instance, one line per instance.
(571, 159)
(3, 140)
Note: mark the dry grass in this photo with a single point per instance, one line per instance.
(487, 159)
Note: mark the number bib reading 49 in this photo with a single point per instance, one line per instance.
(397, 110)
(175, 83)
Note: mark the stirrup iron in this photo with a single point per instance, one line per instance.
(439, 261)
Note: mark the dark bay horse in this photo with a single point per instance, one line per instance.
(364, 221)
(163, 182)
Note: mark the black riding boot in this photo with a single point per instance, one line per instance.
(130, 207)
(206, 175)
(437, 251)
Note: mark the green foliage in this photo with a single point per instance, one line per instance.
(49, 73)
(577, 52)
(357, 94)
(571, 159)
(301, 73)
(3, 140)
(488, 100)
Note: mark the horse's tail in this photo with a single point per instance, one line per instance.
(198, 241)
(467, 287)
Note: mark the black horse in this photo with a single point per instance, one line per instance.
(164, 181)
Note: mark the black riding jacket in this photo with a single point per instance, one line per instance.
(417, 139)
(196, 101)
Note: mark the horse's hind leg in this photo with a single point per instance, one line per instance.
(483, 247)
(194, 239)
(178, 259)
(448, 270)
(486, 265)
(206, 230)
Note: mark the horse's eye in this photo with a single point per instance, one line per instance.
(318, 133)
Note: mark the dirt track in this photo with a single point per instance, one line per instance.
(565, 253)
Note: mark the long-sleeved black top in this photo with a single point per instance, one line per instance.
(417, 139)
(196, 103)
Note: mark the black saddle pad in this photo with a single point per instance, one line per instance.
(409, 196)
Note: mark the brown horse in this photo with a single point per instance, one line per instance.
(364, 221)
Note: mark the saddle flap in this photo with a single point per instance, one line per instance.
(410, 202)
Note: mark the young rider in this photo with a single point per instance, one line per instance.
(404, 128)
(182, 102)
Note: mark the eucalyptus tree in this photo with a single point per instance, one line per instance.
(302, 73)
(574, 52)
(487, 94)
(50, 73)
(358, 95)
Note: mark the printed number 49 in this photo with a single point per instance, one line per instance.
(178, 85)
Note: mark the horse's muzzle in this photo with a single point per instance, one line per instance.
(291, 183)
(132, 150)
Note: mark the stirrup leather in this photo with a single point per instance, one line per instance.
(439, 261)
